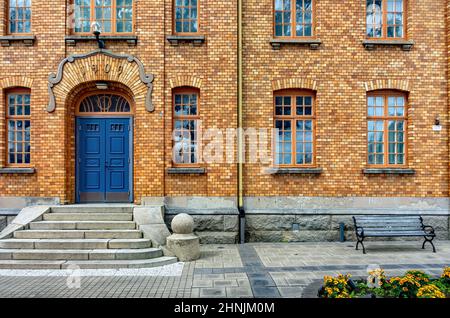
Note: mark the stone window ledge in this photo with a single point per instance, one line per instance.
(187, 170)
(372, 44)
(277, 43)
(71, 40)
(388, 171)
(197, 40)
(294, 170)
(17, 170)
(28, 40)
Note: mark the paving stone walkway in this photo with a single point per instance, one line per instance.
(234, 271)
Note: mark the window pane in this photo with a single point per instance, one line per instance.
(186, 16)
(185, 130)
(278, 4)
(374, 18)
(124, 16)
(282, 18)
(375, 142)
(19, 16)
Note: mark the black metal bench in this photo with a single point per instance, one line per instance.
(392, 226)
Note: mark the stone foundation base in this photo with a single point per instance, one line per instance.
(307, 228)
(213, 229)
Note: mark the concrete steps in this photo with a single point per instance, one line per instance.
(88, 236)
(91, 264)
(78, 234)
(79, 254)
(91, 209)
(88, 216)
(75, 243)
(83, 225)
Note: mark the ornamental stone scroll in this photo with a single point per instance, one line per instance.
(100, 65)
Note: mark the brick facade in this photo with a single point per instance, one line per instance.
(340, 71)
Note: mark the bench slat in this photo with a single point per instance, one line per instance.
(400, 233)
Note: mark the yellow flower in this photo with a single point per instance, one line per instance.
(446, 272)
(430, 291)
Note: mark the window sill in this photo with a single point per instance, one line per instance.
(187, 170)
(370, 45)
(197, 40)
(17, 170)
(28, 40)
(294, 170)
(388, 171)
(71, 40)
(277, 43)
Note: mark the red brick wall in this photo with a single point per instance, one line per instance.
(340, 67)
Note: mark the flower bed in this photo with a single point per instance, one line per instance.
(413, 284)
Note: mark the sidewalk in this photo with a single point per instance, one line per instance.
(250, 270)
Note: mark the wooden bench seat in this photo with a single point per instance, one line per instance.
(392, 226)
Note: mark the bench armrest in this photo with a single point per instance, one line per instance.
(429, 229)
(361, 233)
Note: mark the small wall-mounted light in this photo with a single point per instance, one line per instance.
(437, 124)
(96, 30)
(437, 121)
(101, 85)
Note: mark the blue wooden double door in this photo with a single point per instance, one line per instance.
(104, 159)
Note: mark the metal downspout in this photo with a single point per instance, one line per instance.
(240, 131)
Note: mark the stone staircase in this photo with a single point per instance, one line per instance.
(87, 236)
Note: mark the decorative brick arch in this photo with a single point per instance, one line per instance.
(287, 83)
(401, 85)
(100, 65)
(191, 81)
(16, 81)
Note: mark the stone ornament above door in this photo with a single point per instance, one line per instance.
(100, 65)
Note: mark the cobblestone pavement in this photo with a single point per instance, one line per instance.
(235, 271)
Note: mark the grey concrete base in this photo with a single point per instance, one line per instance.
(185, 246)
(296, 218)
(213, 229)
(25, 216)
(9, 205)
(316, 228)
(150, 220)
(218, 237)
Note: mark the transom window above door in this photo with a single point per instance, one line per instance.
(385, 19)
(104, 103)
(293, 18)
(111, 16)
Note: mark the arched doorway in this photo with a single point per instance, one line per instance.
(104, 148)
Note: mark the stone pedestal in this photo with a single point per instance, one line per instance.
(185, 246)
(183, 242)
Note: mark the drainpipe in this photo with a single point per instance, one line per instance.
(240, 132)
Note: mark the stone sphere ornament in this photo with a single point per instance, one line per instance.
(183, 224)
(183, 242)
